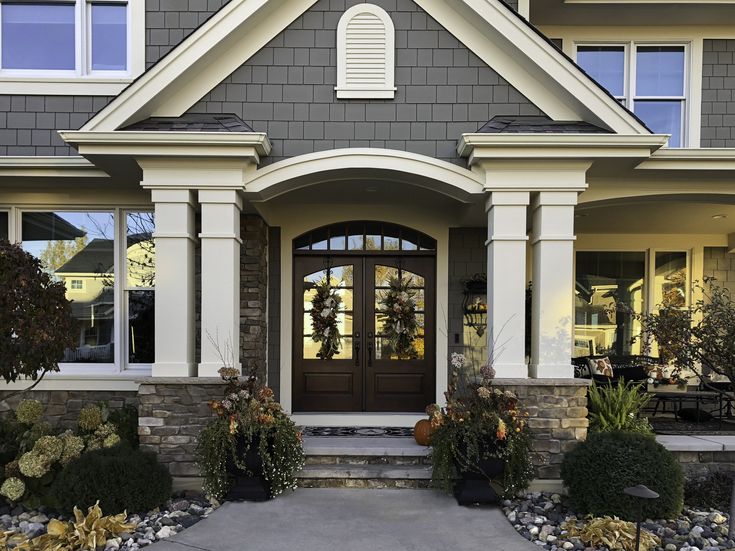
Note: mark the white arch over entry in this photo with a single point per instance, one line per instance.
(351, 163)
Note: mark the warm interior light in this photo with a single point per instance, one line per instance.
(719, 216)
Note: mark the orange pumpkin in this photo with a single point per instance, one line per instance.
(422, 432)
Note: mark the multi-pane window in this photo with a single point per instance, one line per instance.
(64, 37)
(648, 79)
(106, 260)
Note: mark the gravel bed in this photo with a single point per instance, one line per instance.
(539, 517)
(178, 514)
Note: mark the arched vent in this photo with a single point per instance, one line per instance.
(365, 53)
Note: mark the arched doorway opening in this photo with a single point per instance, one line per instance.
(367, 265)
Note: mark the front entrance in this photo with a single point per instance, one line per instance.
(367, 266)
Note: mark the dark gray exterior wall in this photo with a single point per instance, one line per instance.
(718, 94)
(168, 22)
(29, 124)
(720, 264)
(287, 89)
(274, 309)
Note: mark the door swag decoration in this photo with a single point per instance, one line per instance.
(399, 318)
(324, 308)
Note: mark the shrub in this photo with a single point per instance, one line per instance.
(126, 421)
(712, 490)
(597, 471)
(120, 478)
(617, 408)
(36, 323)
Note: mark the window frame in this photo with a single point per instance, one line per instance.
(120, 367)
(82, 80)
(630, 48)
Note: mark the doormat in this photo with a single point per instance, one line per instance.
(363, 432)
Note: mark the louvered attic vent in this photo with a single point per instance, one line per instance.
(365, 53)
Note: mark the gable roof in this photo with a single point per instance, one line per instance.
(490, 28)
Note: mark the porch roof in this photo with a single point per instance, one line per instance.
(192, 122)
(531, 124)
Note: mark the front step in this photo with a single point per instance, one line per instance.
(354, 462)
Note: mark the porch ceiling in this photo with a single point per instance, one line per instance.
(654, 215)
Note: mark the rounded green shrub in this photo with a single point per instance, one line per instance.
(596, 472)
(121, 479)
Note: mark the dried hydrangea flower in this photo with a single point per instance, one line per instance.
(29, 412)
(12, 469)
(49, 446)
(110, 441)
(13, 488)
(33, 465)
(73, 447)
(90, 417)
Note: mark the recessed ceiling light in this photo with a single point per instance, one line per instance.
(719, 216)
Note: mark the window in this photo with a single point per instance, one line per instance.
(4, 234)
(68, 41)
(364, 236)
(113, 313)
(365, 53)
(649, 79)
(604, 279)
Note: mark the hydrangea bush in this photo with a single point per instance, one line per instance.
(38, 455)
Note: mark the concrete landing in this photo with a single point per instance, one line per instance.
(346, 445)
(351, 520)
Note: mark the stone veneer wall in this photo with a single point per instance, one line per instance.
(698, 464)
(63, 406)
(557, 410)
(253, 295)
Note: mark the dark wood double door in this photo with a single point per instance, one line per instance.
(365, 374)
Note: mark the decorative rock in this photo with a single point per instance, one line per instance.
(165, 532)
(717, 518)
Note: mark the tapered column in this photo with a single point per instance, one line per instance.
(220, 252)
(506, 282)
(553, 284)
(175, 336)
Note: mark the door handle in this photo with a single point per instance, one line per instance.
(370, 349)
(357, 349)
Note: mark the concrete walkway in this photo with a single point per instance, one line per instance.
(351, 520)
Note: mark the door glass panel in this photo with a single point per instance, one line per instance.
(400, 315)
(340, 283)
(419, 297)
(383, 275)
(415, 279)
(390, 243)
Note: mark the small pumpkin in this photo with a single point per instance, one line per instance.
(422, 432)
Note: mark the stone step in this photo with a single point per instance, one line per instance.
(364, 476)
(363, 447)
(366, 460)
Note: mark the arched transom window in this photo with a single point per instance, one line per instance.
(362, 237)
(365, 53)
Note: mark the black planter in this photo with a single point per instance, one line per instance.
(474, 487)
(250, 485)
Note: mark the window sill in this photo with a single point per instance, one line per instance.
(63, 86)
(94, 379)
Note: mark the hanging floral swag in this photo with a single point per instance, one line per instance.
(324, 307)
(399, 318)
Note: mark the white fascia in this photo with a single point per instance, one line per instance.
(481, 147)
(76, 167)
(244, 145)
(205, 58)
(530, 63)
(690, 159)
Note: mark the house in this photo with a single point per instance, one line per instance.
(583, 147)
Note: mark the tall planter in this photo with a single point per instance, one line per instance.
(250, 483)
(473, 485)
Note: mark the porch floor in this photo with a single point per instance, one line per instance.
(358, 520)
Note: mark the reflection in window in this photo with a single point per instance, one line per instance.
(3, 225)
(109, 37)
(604, 279)
(140, 256)
(670, 284)
(79, 247)
(38, 36)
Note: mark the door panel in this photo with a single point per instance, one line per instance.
(365, 375)
(335, 384)
(394, 383)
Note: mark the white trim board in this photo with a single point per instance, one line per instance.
(489, 28)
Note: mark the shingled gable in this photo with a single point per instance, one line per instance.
(489, 28)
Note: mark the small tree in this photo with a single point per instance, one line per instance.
(699, 337)
(36, 323)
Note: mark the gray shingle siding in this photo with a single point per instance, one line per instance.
(718, 94)
(513, 4)
(29, 124)
(168, 22)
(287, 89)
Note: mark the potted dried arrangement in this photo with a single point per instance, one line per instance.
(251, 450)
(480, 442)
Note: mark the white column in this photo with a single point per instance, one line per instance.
(175, 323)
(220, 253)
(552, 330)
(506, 282)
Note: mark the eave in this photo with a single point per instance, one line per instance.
(690, 159)
(49, 167)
